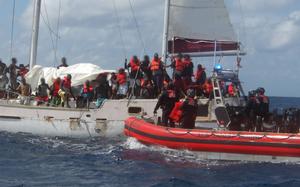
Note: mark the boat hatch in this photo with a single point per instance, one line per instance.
(134, 110)
(202, 110)
(10, 117)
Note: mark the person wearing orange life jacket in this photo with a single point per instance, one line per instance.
(66, 90)
(135, 76)
(122, 84)
(134, 66)
(177, 65)
(54, 89)
(157, 73)
(200, 75)
(166, 102)
(207, 88)
(87, 93)
(189, 109)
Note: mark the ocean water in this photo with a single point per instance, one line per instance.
(27, 160)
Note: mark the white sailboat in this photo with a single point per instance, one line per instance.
(195, 27)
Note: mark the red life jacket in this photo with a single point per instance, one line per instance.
(67, 83)
(56, 87)
(231, 90)
(187, 62)
(23, 72)
(176, 113)
(134, 65)
(199, 74)
(87, 89)
(121, 78)
(179, 65)
(155, 65)
(208, 88)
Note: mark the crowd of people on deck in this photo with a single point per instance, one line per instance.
(144, 79)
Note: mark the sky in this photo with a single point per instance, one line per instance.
(89, 31)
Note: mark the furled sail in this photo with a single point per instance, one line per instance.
(200, 26)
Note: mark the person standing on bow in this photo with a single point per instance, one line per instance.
(177, 65)
(13, 73)
(166, 102)
(156, 67)
(189, 110)
(25, 92)
(42, 93)
(134, 76)
(54, 89)
(87, 93)
(66, 91)
(122, 84)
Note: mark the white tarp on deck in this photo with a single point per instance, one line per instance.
(80, 73)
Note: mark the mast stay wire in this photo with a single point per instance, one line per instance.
(52, 33)
(57, 30)
(119, 28)
(12, 29)
(137, 27)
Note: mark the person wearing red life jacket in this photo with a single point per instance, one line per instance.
(231, 90)
(54, 89)
(22, 70)
(189, 109)
(157, 73)
(87, 93)
(122, 84)
(166, 102)
(66, 90)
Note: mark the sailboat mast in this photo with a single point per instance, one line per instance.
(166, 31)
(35, 33)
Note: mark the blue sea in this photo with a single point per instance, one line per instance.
(27, 160)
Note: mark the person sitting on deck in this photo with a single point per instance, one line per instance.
(55, 98)
(87, 93)
(42, 92)
(146, 89)
(232, 91)
(25, 92)
(63, 63)
(208, 89)
(166, 102)
(189, 110)
(66, 91)
(122, 84)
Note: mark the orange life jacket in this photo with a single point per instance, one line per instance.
(87, 89)
(121, 78)
(67, 82)
(155, 65)
(179, 65)
(187, 62)
(134, 65)
(208, 88)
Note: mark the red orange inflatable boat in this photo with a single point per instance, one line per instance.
(254, 143)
